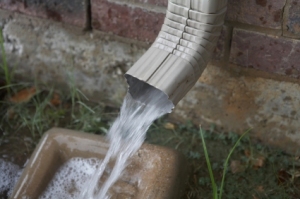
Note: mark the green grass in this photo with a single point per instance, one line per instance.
(223, 149)
(211, 175)
(38, 115)
(226, 163)
(217, 195)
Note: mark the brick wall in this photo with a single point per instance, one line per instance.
(265, 35)
(74, 12)
(260, 34)
(135, 20)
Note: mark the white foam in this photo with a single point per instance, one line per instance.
(9, 174)
(70, 178)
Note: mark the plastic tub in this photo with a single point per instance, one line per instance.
(153, 172)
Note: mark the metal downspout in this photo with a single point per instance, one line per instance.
(181, 51)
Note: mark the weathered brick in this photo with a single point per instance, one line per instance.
(126, 21)
(220, 50)
(68, 11)
(293, 18)
(264, 13)
(264, 52)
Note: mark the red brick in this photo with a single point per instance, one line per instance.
(293, 18)
(264, 13)
(68, 11)
(219, 52)
(267, 53)
(126, 21)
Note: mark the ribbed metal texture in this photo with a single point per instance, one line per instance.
(183, 47)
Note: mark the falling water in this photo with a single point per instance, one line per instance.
(127, 134)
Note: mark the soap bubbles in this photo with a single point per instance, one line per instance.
(71, 178)
(9, 174)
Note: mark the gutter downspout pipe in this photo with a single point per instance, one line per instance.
(181, 51)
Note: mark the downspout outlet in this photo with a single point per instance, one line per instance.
(181, 51)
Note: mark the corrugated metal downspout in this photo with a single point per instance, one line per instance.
(182, 49)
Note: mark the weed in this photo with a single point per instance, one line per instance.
(32, 115)
(89, 119)
(226, 162)
(211, 175)
(254, 179)
(84, 117)
(217, 195)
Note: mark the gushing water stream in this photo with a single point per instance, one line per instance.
(126, 135)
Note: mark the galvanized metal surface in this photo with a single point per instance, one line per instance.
(183, 47)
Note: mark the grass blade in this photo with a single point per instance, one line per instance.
(227, 160)
(211, 175)
(85, 106)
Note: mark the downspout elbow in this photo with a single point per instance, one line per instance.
(181, 51)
